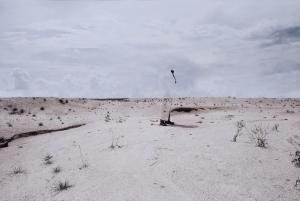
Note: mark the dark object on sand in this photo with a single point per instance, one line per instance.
(172, 71)
(34, 133)
(184, 109)
(3, 142)
(165, 123)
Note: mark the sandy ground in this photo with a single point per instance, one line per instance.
(122, 154)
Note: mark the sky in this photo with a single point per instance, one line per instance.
(126, 48)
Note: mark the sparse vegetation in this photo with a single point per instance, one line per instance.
(275, 127)
(14, 110)
(61, 186)
(296, 159)
(115, 143)
(84, 165)
(56, 170)
(62, 101)
(83, 161)
(18, 170)
(259, 136)
(48, 159)
(107, 117)
(239, 125)
(17, 111)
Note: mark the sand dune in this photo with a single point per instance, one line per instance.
(119, 152)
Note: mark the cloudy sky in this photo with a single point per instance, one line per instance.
(125, 48)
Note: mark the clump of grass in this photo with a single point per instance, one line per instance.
(296, 159)
(275, 127)
(107, 117)
(62, 101)
(18, 170)
(239, 125)
(48, 159)
(22, 111)
(62, 186)
(41, 124)
(84, 165)
(56, 170)
(259, 136)
(14, 110)
(115, 143)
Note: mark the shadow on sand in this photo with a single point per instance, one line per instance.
(184, 126)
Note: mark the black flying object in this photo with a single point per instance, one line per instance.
(172, 71)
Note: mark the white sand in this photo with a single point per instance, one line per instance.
(194, 161)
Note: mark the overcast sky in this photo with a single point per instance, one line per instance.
(125, 48)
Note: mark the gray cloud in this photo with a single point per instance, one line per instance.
(283, 36)
(126, 48)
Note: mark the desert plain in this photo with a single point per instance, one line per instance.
(220, 149)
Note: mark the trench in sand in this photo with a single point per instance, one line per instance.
(4, 142)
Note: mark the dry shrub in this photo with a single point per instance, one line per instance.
(62, 186)
(296, 159)
(18, 170)
(239, 125)
(259, 135)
